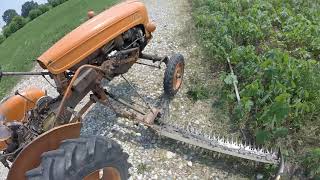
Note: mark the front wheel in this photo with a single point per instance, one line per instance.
(173, 75)
(83, 158)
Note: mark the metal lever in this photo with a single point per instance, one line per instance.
(23, 74)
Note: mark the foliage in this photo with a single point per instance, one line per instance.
(199, 93)
(27, 7)
(8, 15)
(198, 90)
(34, 13)
(19, 50)
(311, 161)
(2, 38)
(274, 47)
(55, 3)
(44, 8)
(17, 23)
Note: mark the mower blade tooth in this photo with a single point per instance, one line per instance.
(242, 145)
(214, 155)
(261, 150)
(266, 150)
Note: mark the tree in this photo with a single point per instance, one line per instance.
(27, 7)
(34, 13)
(8, 15)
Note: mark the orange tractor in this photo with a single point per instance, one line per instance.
(40, 135)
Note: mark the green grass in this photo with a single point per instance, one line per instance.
(18, 52)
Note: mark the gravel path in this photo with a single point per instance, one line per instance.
(153, 157)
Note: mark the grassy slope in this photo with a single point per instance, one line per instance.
(18, 51)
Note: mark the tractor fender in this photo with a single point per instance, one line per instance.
(15, 107)
(30, 156)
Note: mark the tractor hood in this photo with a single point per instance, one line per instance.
(93, 34)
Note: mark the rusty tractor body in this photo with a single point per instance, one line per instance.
(105, 46)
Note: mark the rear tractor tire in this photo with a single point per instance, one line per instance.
(83, 158)
(173, 75)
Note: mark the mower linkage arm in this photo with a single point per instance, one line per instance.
(23, 73)
(153, 58)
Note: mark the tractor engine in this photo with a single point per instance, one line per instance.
(117, 56)
(20, 136)
(20, 128)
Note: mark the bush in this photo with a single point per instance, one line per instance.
(2, 38)
(311, 162)
(34, 13)
(275, 53)
(55, 3)
(274, 50)
(17, 23)
(44, 8)
(6, 31)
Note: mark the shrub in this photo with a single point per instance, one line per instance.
(274, 50)
(55, 3)
(6, 31)
(44, 7)
(311, 162)
(2, 38)
(34, 13)
(16, 23)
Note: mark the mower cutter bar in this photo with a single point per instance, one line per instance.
(217, 144)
